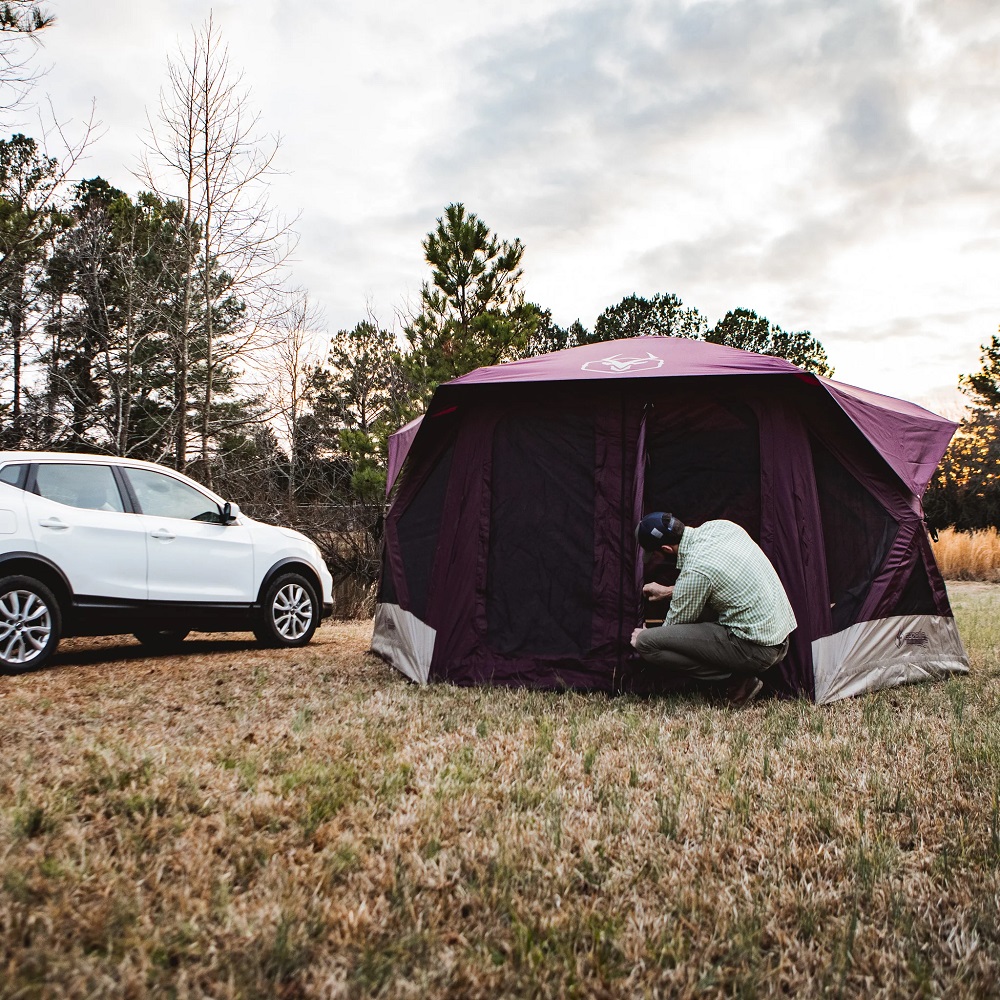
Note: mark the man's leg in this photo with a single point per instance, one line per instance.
(757, 659)
(701, 650)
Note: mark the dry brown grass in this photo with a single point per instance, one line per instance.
(969, 555)
(241, 823)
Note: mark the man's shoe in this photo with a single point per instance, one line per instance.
(743, 690)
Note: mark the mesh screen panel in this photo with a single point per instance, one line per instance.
(857, 535)
(540, 566)
(418, 529)
(917, 597)
(703, 462)
(386, 584)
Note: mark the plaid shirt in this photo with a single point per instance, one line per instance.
(724, 570)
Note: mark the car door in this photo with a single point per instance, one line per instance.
(78, 519)
(192, 555)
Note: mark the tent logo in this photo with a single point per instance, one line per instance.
(617, 364)
(912, 639)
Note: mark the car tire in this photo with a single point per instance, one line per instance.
(30, 624)
(161, 639)
(289, 612)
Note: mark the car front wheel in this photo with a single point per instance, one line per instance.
(30, 623)
(289, 612)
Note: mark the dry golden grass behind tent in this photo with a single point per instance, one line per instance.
(969, 555)
(306, 823)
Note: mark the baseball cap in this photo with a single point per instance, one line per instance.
(656, 529)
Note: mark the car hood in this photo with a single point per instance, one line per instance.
(260, 527)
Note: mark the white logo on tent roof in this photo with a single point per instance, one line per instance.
(619, 363)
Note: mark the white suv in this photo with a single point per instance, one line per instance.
(94, 545)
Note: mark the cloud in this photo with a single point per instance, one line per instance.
(871, 136)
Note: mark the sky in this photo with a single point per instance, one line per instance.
(832, 164)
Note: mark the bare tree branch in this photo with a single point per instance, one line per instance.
(205, 147)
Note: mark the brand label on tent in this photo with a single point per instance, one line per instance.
(916, 638)
(619, 363)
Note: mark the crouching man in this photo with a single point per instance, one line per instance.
(723, 575)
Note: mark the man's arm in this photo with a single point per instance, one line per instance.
(688, 601)
(657, 592)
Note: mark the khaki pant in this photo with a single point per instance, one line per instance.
(706, 651)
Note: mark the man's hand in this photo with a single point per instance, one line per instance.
(657, 591)
(635, 635)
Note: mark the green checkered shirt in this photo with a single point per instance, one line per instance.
(724, 570)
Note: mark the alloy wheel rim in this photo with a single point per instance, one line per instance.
(25, 626)
(292, 611)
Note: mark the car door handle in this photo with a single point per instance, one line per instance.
(53, 522)
(163, 534)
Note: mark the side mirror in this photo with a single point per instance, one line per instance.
(230, 511)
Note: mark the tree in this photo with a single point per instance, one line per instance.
(23, 17)
(110, 288)
(983, 387)
(29, 222)
(148, 253)
(113, 289)
(292, 372)
(357, 398)
(744, 329)
(81, 329)
(206, 140)
(473, 311)
(358, 384)
(664, 315)
(965, 491)
(548, 336)
(18, 20)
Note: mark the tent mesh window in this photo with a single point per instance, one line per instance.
(540, 564)
(386, 584)
(857, 535)
(917, 597)
(703, 461)
(417, 530)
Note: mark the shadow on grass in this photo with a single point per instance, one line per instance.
(123, 649)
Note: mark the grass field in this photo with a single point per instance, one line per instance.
(242, 823)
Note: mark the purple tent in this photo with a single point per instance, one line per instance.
(509, 549)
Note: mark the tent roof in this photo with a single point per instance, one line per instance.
(636, 357)
(910, 438)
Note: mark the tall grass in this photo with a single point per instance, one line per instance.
(969, 555)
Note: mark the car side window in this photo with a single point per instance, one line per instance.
(91, 487)
(13, 475)
(164, 496)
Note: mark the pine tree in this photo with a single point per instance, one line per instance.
(473, 311)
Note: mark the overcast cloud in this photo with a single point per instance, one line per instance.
(834, 166)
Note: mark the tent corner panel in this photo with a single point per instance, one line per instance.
(884, 653)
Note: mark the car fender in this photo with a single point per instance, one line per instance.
(299, 563)
(275, 547)
(25, 559)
